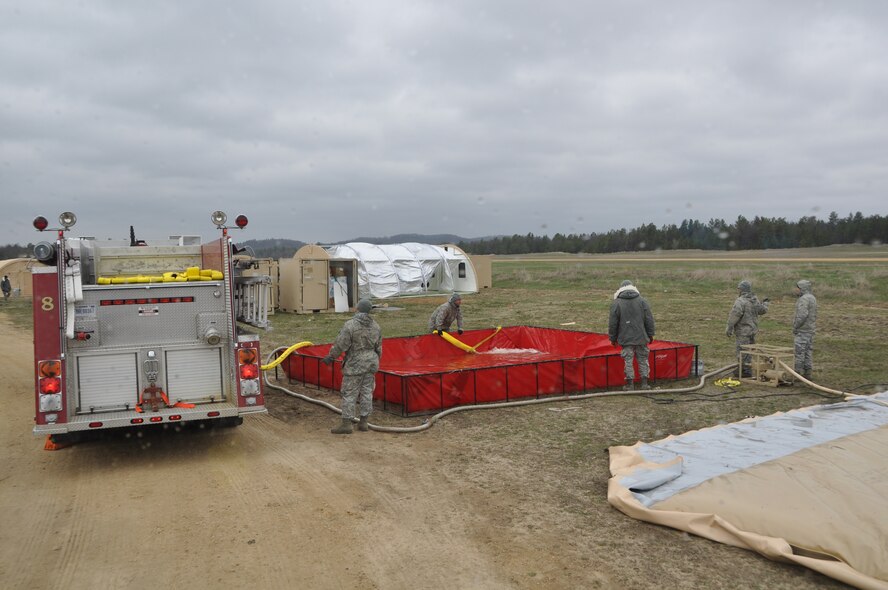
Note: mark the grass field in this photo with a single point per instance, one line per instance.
(690, 302)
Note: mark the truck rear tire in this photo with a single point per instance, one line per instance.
(231, 422)
(66, 438)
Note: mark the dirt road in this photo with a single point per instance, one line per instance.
(499, 499)
(269, 504)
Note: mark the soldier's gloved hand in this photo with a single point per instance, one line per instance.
(441, 333)
(650, 340)
(459, 331)
(729, 332)
(613, 342)
(327, 360)
(765, 300)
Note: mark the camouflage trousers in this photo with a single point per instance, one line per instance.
(747, 358)
(357, 388)
(640, 353)
(804, 348)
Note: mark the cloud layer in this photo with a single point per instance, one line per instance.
(325, 120)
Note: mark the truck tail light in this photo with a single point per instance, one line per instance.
(247, 356)
(49, 368)
(50, 385)
(250, 371)
(248, 359)
(49, 388)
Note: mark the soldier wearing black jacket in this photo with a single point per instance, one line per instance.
(631, 325)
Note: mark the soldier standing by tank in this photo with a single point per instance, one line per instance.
(631, 325)
(743, 322)
(445, 314)
(803, 327)
(361, 341)
(6, 286)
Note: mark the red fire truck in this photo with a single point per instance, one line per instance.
(135, 333)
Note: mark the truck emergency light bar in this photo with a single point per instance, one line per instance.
(219, 218)
(68, 219)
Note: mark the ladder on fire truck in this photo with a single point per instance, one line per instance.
(251, 296)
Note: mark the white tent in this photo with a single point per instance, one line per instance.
(411, 268)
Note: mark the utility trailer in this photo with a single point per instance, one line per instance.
(135, 333)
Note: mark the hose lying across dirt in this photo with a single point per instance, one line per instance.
(846, 394)
(561, 398)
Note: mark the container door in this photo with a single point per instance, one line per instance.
(315, 285)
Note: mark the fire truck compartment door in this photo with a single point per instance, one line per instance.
(107, 382)
(194, 374)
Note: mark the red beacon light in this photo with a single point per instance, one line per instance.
(241, 221)
(40, 223)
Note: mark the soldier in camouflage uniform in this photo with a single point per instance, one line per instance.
(445, 314)
(743, 322)
(361, 341)
(631, 325)
(803, 327)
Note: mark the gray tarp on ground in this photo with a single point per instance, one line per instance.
(806, 486)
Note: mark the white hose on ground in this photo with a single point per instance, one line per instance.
(810, 383)
(846, 394)
(561, 398)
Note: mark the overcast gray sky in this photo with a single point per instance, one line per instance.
(325, 120)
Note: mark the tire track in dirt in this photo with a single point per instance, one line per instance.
(430, 534)
(78, 533)
(294, 488)
(30, 505)
(373, 500)
(94, 508)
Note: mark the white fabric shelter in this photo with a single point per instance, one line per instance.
(411, 268)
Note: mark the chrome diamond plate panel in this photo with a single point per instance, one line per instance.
(148, 315)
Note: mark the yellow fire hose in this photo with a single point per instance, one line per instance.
(462, 345)
(284, 355)
(445, 335)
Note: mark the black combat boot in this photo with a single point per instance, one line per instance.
(345, 427)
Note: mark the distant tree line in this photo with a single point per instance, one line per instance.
(10, 251)
(276, 248)
(716, 234)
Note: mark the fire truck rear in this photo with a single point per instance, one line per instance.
(135, 333)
